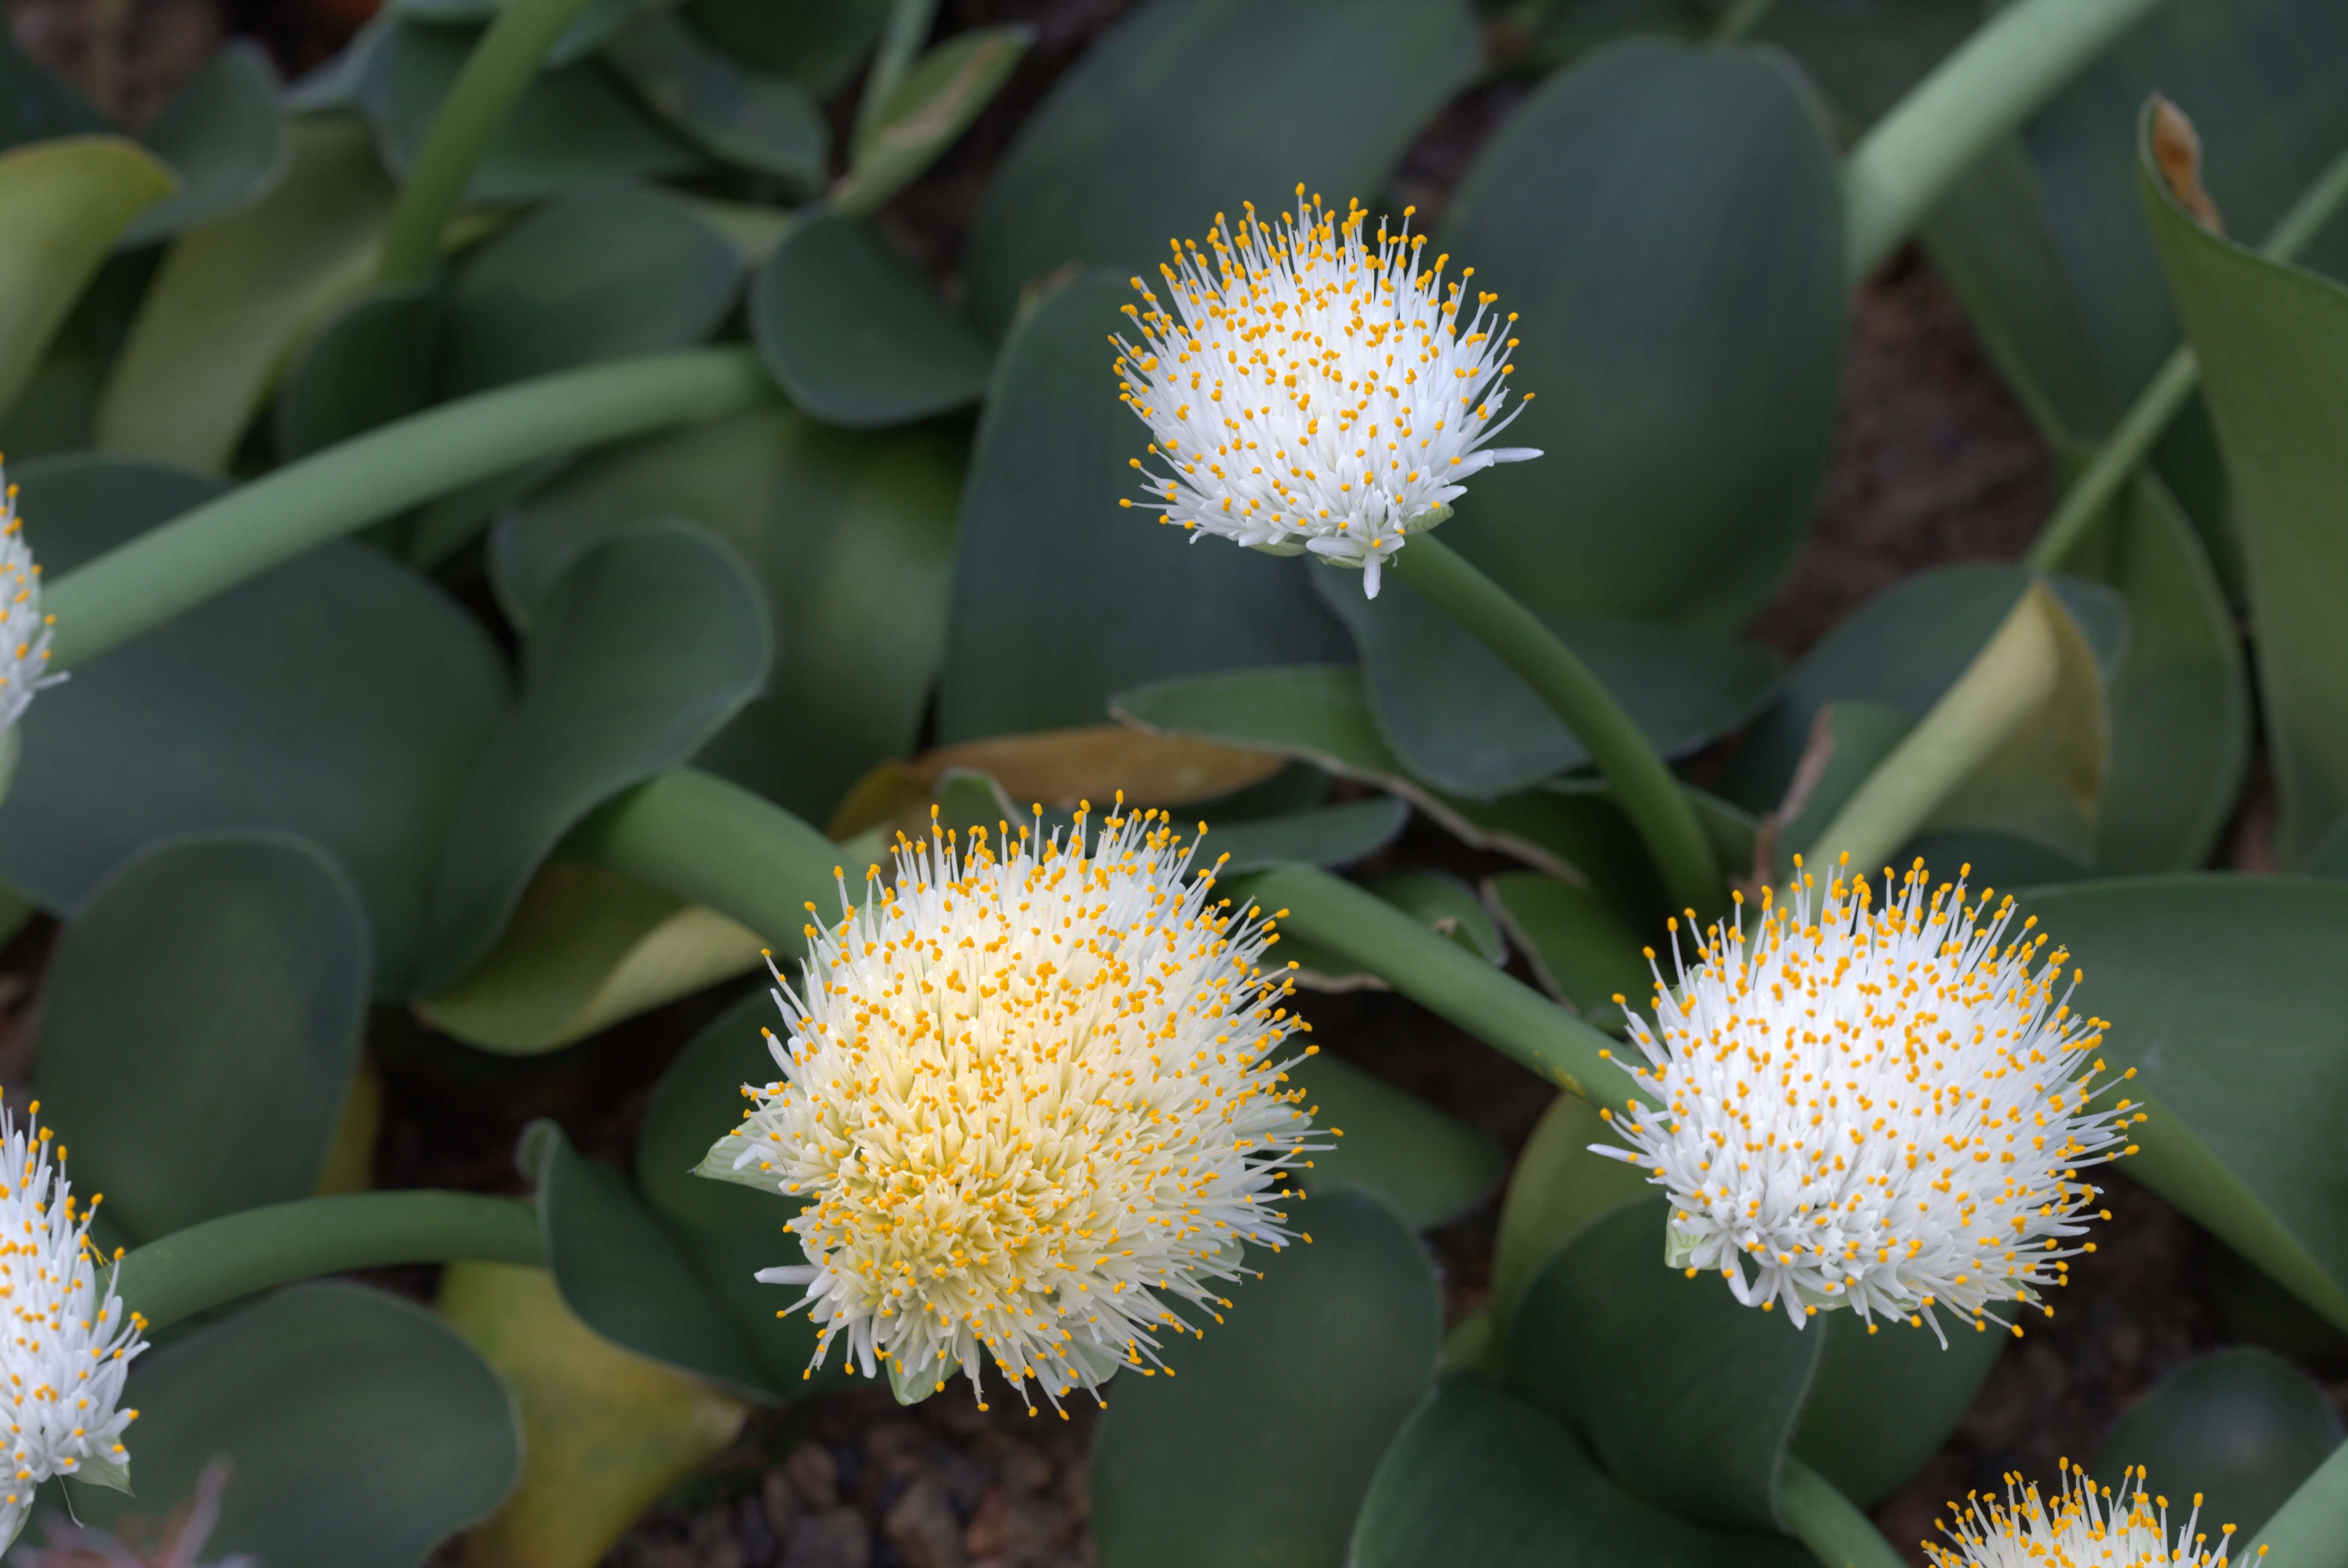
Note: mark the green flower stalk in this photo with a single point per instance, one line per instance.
(1308, 389)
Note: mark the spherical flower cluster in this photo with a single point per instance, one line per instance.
(24, 630)
(68, 1343)
(1880, 1108)
(1307, 392)
(2084, 1527)
(1031, 1098)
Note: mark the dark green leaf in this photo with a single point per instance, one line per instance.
(2273, 343)
(1187, 107)
(641, 652)
(1481, 1479)
(728, 1232)
(1424, 1166)
(596, 23)
(748, 117)
(376, 361)
(574, 128)
(815, 46)
(39, 105)
(849, 535)
(1557, 1188)
(1686, 1395)
(1023, 652)
(855, 336)
(622, 1272)
(364, 1433)
(1582, 951)
(1683, 688)
(251, 955)
(1883, 1403)
(2238, 1427)
(1338, 1338)
(1668, 223)
(224, 136)
(2227, 994)
(1866, 57)
(933, 105)
(340, 697)
(1445, 904)
(1321, 836)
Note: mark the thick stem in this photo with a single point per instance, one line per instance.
(1437, 973)
(174, 568)
(1643, 786)
(2307, 1531)
(1990, 84)
(1830, 1524)
(700, 838)
(2171, 386)
(496, 73)
(224, 1260)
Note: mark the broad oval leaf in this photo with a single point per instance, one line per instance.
(1424, 1166)
(1027, 650)
(1339, 1336)
(815, 46)
(1480, 1478)
(1270, 93)
(854, 335)
(68, 202)
(1689, 1398)
(2239, 1426)
(1557, 1189)
(339, 696)
(364, 1433)
(1667, 223)
(248, 955)
(1883, 1403)
(638, 654)
(2227, 996)
(223, 137)
(1584, 951)
(745, 117)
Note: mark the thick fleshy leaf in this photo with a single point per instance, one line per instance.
(574, 128)
(377, 360)
(625, 1276)
(595, 24)
(1320, 836)
(1883, 1403)
(641, 652)
(232, 299)
(2180, 700)
(1446, 904)
(224, 137)
(340, 697)
(932, 105)
(1683, 1394)
(1865, 58)
(249, 956)
(585, 948)
(1683, 688)
(1421, 1163)
(68, 202)
(1557, 1188)
(1584, 951)
(364, 1433)
(42, 104)
(1667, 221)
(748, 117)
(1339, 1336)
(850, 536)
(1274, 92)
(2241, 1426)
(1480, 1478)
(1025, 650)
(604, 1431)
(855, 336)
(2227, 996)
(2271, 340)
(815, 46)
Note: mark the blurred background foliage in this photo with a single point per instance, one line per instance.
(301, 882)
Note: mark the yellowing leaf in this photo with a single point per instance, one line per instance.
(66, 202)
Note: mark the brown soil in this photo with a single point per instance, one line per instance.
(1934, 463)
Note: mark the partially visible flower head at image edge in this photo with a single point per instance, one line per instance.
(1883, 1108)
(1311, 390)
(2082, 1524)
(25, 631)
(69, 1343)
(1034, 1096)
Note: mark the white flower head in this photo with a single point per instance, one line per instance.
(1309, 392)
(1031, 1098)
(1880, 1108)
(2084, 1525)
(68, 1341)
(24, 630)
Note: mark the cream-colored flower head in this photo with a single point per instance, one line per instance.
(2084, 1526)
(1884, 1109)
(1306, 391)
(68, 1342)
(1032, 1097)
(24, 629)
